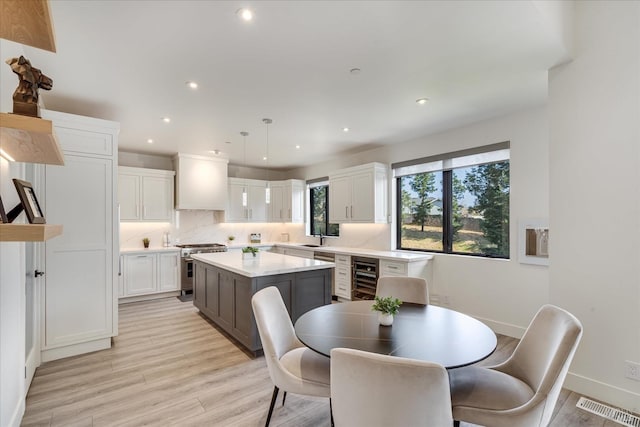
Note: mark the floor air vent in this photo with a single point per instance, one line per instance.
(617, 415)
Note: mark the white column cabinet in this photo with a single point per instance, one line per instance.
(359, 194)
(145, 194)
(149, 272)
(81, 284)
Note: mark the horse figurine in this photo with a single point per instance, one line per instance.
(25, 98)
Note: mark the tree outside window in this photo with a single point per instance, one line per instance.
(319, 212)
(461, 210)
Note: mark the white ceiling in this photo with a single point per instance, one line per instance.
(128, 61)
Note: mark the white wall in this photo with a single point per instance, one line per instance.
(594, 105)
(504, 293)
(12, 272)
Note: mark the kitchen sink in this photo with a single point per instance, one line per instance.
(309, 245)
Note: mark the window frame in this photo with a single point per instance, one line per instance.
(447, 198)
(311, 216)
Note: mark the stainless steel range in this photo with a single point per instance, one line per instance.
(186, 267)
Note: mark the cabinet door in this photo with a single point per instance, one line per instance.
(225, 293)
(257, 202)
(236, 211)
(199, 285)
(362, 198)
(212, 293)
(296, 202)
(81, 264)
(168, 266)
(339, 199)
(129, 197)
(140, 274)
(157, 198)
(278, 206)
(243, 322)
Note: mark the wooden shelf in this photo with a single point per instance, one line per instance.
(29, 139)
(29, 232)
(27, 22)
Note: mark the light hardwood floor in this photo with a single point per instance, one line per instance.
(171, 366)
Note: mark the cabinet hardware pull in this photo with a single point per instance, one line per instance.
(346, 211)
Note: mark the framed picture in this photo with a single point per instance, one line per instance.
(534, 242)
(3, 214)
(29, 201)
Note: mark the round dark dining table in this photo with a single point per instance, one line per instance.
(423, 332)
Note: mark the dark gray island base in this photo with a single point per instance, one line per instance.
(224, 297)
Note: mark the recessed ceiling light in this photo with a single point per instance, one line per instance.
(345, 129)
(166, 119)
(192, 85)
(297, 147)
(149, 141)
(264, 158)
(245, 14)
(216, 152)
(422, 101)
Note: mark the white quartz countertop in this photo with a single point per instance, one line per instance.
(389, 255)
(265, 264)
(152, 249)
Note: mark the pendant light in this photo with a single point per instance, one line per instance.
(267, 192)
(244, 188)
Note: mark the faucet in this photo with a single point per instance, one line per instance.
(322, 237)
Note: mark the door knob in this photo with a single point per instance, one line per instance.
(38, 273)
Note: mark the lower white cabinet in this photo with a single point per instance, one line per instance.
(150, 273)
(343, 277)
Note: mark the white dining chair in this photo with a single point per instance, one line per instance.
(523, 390)
(406, 289)
(292, 366)
(371, 390)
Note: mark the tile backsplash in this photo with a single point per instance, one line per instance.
(194, 226)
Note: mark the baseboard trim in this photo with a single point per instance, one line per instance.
(136, 298)
(75, 349)
(607, 393)
(16, 418)
(504, 328)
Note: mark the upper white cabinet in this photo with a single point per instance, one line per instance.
(247, 200)
(201, 182)
(287, 201)
(145, 194)
(359, 194)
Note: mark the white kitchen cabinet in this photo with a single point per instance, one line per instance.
(301, 253)
(359, 194)
(145, 194)
(287, 201)
(79, 309)
(140, 274)
(150, 273)
(251, 207)
(201, 182)
(342, 278)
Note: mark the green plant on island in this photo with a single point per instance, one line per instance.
(250, 249)
(387, 305)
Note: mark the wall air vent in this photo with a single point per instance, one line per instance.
(617, 415)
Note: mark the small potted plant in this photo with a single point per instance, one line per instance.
(249, 252)
(386, 307)
(145, 242)
(230, 239)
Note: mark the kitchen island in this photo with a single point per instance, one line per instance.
(225, 282)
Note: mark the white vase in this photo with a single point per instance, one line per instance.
(385, 319)
(249, 256)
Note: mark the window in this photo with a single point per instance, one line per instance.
(456, 203)
(319, 211)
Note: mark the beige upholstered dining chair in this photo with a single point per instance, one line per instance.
(406, 289)
(371, 390)
(292, 366)
(523, 390)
